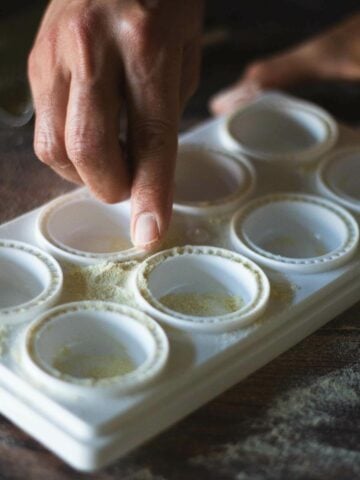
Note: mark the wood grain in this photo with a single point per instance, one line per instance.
(217, 441)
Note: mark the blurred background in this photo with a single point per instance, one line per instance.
(237, 33)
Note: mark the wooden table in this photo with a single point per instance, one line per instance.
(296, 418)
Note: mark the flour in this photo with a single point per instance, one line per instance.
(293, 428)
(140, 474)
(282, 291)
(202, 304)
(3, 339)
(96, 367)
(107, 282)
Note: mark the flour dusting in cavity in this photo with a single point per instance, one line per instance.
(202, 304)
(111, 281)
(95, 367)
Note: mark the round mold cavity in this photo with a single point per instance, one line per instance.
(210, 181)
(82, 230)
(202, 288)
(94, 348)
(30, 281)
(287, 130)
(302, 233)
(338, 177)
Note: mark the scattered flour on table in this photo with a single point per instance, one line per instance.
(305, 423)
(3, 339)
(140, 474)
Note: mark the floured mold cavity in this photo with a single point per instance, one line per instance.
(210, 181)
(202, 288)
(297, 232)
(338, 177)
(94, 347)
(289, 131)
(30, 281)
(82, 230)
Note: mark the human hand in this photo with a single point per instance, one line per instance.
(93, 59)
(331, 55)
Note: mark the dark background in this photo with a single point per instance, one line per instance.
(246, 29)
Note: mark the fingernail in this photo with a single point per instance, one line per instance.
(146, 230)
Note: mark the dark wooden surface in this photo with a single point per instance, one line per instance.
(298, 418)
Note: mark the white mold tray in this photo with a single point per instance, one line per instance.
(90, 431)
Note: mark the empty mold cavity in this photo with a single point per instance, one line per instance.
(209, 180)
(30, 281)
(296, 232)
(95, 344)
(202, 288)
(83, 230)
(338, 177)
(281, 130)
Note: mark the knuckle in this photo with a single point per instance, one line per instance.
(82, 24)
(138, 31)
(86, 24)
(149, 195)
(86, 149)
(46, 150)
(146, 191)
(149, 51)
(145, 48)
(79, 153)
(153, 136)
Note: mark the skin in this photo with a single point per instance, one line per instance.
(94, 60)
(332, 55)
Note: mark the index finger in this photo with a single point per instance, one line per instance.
(154, 106)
